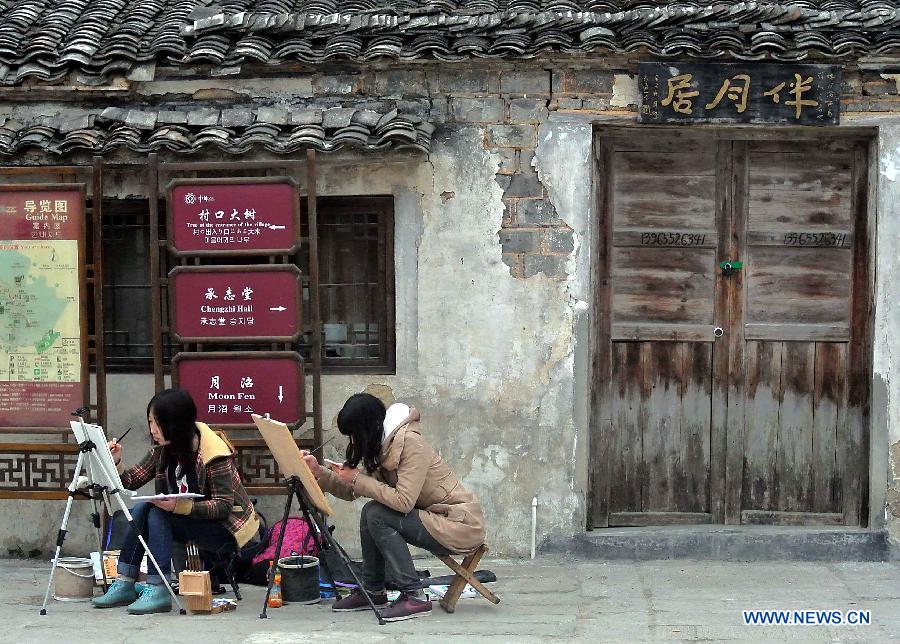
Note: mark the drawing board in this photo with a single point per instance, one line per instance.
(290, 461)
(94, 433)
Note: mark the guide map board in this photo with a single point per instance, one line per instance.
(41, 312)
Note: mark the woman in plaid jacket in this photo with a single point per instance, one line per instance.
(187, 456)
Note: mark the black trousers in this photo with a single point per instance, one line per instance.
(384, 534)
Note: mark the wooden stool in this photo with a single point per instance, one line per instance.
(465, 574)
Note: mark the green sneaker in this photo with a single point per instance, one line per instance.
(119, 593)
(154, 599)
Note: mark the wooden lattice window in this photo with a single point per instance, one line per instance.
(356, 283)
(126, 285)
(356, 274)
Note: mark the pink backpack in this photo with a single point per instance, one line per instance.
(297, 541)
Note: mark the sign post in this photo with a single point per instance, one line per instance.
(42, 325)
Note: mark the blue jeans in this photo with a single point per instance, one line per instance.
(159, 528)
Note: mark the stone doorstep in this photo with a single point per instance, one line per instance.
(730, 543)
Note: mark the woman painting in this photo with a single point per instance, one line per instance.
(416, 499)
(187, 456)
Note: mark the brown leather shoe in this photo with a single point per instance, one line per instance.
(357, 601)
(406, 607)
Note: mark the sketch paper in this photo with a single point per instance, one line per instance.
(163, 497)
(94, 433)
(290, 461)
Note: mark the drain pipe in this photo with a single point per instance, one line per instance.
(534, 504)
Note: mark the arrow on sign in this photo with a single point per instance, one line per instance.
(277, 308)
(277, 227)
(280, 393)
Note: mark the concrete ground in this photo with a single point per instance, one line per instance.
(562, 599)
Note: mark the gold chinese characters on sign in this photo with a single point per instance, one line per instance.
(789, 94)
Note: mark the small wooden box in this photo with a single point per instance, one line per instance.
(110, 563)
(196, 588)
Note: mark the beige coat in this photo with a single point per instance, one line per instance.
(413, 475)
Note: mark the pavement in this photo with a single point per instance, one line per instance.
(552, 598)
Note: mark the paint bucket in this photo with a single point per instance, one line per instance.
(299, 579)
(73, 580)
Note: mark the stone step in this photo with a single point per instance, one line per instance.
(730, 543)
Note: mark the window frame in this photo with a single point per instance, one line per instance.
(384, 206)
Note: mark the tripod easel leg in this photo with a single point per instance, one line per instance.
(292, 491)
(127, 513)
(332, 542)
(314, 529)
(61, 535)
(95, 517)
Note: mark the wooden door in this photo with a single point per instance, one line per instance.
(802, 216)
(663, 301)
(738, 397)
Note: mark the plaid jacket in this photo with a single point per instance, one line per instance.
(226, 499)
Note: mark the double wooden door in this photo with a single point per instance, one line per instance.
(731, 326)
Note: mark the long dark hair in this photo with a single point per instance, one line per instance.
(362, 420)
(176, 415)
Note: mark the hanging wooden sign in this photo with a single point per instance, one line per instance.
(234, 216)
(42, 325)
(221, 303)
(229, 386)
(739, 93)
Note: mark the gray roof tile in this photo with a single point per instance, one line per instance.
(47, 39)
(179, 130)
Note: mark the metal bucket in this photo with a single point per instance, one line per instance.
(299, 579)
(74, 579)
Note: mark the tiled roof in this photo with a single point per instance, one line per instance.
(49, 38)
(232, 131)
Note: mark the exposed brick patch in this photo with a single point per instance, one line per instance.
(339, 84)
(400, 83)
(478, 110)
(456, 82)
(509, 161)
(515, 240)
(527, 82)
(527, 110)
(558, 240)
(550, 265)
(524, 184)
(511, 136)
(533, 238)
(582, 81)
(535, 212)
(873, 84)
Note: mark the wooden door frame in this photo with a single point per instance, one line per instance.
(863, 285)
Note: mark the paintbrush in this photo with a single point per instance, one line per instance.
(322, 445)
(122, 437)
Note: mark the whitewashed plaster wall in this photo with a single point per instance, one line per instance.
(489, 359)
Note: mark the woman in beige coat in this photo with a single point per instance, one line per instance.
(416, 499)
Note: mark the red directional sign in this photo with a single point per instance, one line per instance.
(217, 303)
(234, 216)
(229, 386)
